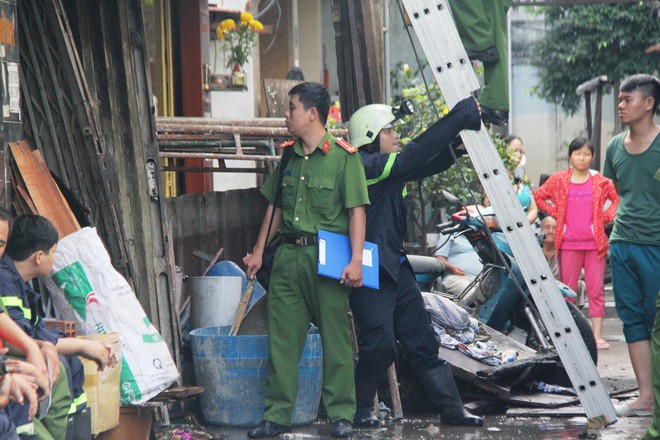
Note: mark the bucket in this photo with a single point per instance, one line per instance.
(229, 268)
(213, 300)
(232, 370)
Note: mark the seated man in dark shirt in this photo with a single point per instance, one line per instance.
(30, 254)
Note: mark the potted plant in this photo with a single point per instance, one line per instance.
(238, 39)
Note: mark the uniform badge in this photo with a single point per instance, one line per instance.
(287, 143)
(326, 147)
(346, 146)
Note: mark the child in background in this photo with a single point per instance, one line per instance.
(576, 198)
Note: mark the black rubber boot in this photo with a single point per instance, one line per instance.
(69, 428)
(441, 388)
(486, 56)
(83, 425)
(491, 116)
(365, 418)
(341, 429)
(268, 429)
(81, 428)
(365, 392)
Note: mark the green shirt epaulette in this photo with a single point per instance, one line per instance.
(287, 143)
(346, 146)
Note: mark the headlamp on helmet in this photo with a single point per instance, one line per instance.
(406, 108)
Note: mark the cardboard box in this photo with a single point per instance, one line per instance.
(102, 387)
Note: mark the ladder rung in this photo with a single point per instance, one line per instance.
(436, 31)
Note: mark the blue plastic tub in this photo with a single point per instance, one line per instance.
(232, 370)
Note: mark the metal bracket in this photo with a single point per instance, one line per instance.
(436, 31)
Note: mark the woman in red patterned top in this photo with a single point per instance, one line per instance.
(576, 198)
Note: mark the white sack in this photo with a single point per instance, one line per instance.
(86, 288)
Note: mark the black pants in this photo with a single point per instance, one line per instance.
(395, 312)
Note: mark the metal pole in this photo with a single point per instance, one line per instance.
(598, 122)
(296, 47)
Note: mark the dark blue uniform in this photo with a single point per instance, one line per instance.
(7, 429)
(24, 306)
(396, 311)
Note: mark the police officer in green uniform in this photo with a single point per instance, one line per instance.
(323, 187)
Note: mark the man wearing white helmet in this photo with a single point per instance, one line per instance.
(396, 311)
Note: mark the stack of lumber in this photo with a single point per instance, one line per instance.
(36, 191)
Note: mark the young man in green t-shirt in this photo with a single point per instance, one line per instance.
(632, 161)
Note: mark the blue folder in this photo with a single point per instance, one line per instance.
(335, 254)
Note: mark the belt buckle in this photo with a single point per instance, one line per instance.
(301, 241)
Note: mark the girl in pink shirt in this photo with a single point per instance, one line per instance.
(576, 198)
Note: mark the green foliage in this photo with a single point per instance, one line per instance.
(585, 41)
(427, 200)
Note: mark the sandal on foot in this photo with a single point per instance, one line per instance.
(624, 410)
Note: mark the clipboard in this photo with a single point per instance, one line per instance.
(335, 254)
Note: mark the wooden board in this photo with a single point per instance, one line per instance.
(42, 189)
(26, 200)
(277, 95)
(56, 189)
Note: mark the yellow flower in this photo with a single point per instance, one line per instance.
(219, 33)
(246, 16)
(256, 25)
(228, 24)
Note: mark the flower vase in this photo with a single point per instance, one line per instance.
(237, 76)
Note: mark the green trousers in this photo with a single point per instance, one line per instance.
(482, 24)
(56, 418)
(298, 296)
(53, 425)
(653, 433)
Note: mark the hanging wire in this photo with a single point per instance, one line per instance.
(277, 22)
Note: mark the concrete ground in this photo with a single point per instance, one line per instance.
(565, 423)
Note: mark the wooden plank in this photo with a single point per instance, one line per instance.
(178, 393)
(242, 307)
(371, 61)
(26, 200)
(44, 192)
(20, 204)
(45, 172)
(277, 95)
(355, 27)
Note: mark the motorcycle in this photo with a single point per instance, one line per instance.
(498, 296)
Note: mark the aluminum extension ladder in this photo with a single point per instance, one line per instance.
(436, 31)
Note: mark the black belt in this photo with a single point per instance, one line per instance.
(301, 241)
